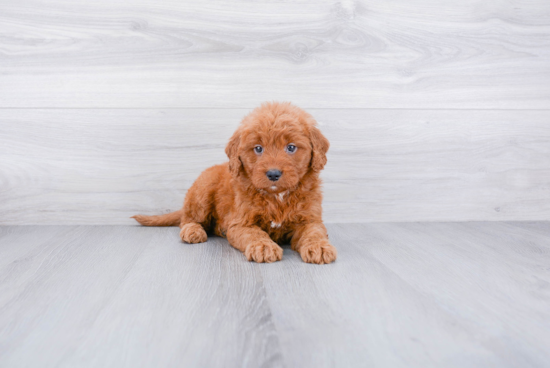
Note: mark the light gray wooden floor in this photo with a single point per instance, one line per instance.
(401, 295)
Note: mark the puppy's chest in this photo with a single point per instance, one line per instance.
(279, 214)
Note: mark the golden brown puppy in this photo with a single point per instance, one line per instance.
(268, 194)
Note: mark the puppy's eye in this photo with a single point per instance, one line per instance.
(291, 148)
(258, 149)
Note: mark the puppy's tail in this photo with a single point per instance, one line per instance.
(170, 219)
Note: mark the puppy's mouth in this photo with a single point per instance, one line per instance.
(274, 188)
(277, 188)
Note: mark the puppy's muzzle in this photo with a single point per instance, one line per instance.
(274, 175)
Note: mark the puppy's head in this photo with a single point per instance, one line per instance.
(275, 146)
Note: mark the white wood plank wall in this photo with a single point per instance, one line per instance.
(436, 111)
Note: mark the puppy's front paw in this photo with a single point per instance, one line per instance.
(263, 251)
(193, 233)
(320, 252)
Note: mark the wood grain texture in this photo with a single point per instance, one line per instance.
(400, 295)
(79, 166)
(428, 294)
(318, 54)
(129, 297)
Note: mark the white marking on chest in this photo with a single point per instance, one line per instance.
(274, 224)
(281, 196)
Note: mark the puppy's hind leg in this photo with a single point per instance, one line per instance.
(192, 233)
(198, 207)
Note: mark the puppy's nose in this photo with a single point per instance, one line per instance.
(274, 175)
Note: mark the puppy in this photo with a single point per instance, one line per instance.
(269, 192)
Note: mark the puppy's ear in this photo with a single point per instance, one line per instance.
(320, 147)
(232, 151)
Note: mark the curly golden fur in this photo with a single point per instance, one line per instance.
(256, 213)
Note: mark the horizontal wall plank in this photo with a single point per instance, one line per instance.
(318, 54)
(100, 166)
